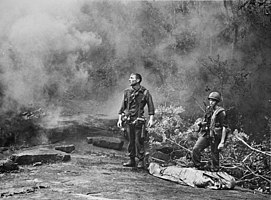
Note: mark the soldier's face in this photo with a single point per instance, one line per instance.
(212, 102)
(132, 80)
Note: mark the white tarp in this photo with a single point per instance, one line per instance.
(193, 177)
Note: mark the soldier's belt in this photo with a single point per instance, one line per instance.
(139, 120)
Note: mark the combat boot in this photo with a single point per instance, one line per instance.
(130, 163)
(140, 164)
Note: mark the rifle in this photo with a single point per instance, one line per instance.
(205, 123)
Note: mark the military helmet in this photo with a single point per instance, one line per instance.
(215, 95)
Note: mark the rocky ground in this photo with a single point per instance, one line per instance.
(97, 173)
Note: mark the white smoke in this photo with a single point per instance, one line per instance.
(39, 47)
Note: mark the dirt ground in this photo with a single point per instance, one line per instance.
(97, 173)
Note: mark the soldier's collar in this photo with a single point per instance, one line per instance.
(140, 89)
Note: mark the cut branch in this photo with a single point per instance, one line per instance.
(247, 157)
(253, 149)
(159, 160)
(257, 174)
(179, 145)
(246, 180)
(231, 167)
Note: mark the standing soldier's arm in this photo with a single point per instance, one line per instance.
(222, 119)
(150, 109)
(223, 138)
(121, 111)
(151, 121)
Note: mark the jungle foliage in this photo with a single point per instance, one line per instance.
(175, 137)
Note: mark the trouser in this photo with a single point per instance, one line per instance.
(203, 142)
(136, 139)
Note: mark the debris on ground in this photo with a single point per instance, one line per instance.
(20, 191)
(8, 165)
(160, 156)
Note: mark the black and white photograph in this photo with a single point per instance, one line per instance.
(135, 99)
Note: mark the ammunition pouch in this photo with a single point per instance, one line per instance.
(204, 126)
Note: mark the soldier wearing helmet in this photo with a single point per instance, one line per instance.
(215, 95)
(213, 132)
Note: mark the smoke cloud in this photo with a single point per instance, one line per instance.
(85, 50)
(39, 49)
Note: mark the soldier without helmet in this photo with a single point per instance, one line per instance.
(131, 115)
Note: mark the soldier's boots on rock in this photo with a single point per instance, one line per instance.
(130, 163)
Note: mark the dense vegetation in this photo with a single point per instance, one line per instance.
(175, 137)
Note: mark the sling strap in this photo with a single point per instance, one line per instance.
(129, 93)
(213, 118)
(139, 108)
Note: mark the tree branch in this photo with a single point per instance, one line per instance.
(253, 149)
(247, 157)
(257, 174)
(179, 145)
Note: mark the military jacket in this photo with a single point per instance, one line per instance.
(134, 102)
(220, 119)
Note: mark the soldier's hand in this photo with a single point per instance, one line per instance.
(150, 123)
(119, 124)
(220, 146)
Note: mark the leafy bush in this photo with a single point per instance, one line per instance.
(169, 124)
